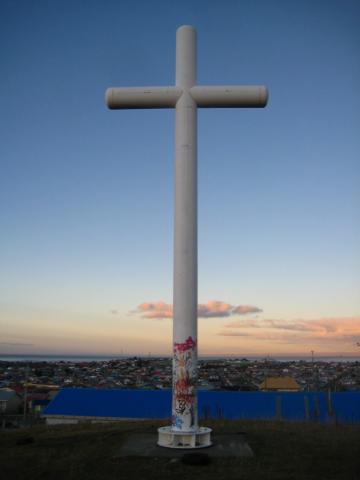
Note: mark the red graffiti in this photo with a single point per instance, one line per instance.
(189, 344)
(183, 390)
(182, 387)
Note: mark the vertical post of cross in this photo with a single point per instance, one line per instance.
(184, 402)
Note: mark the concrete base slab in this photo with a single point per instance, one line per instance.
(168, 438)
(224, 445)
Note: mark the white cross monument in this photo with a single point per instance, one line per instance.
(185, 97)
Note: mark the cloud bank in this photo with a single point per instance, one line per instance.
(211, 309)
(323, 326)
(322, 330)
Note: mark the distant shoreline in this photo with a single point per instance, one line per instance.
(103, 358)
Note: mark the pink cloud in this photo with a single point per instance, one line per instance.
(214, 308)
(155, 310)
(246, 309)
(261, 323)
(211, 309)
(258, 335)
(324, 330)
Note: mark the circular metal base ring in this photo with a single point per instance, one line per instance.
(169, 438)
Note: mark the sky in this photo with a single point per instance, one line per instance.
(86, 194)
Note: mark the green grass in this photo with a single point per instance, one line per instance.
(282, 451)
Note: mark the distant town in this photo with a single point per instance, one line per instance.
(156, 373)
(36, 383)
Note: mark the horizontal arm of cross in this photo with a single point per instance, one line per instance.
(231, 96)
(142, 97)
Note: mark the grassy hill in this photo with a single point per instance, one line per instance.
(282, 451)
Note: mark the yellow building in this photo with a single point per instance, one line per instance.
(279, 384)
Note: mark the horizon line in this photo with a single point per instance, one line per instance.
(150, 354)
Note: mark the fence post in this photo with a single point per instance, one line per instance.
(206, 412)
(317, 408)
(278, 408)
(306, 407)
(329, 404)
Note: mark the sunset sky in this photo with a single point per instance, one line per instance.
(86, 194)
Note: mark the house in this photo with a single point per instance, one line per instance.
(39, 396)
(279, 384)
(10, 401)
(37, 405)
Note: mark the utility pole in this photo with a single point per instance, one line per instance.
(26, 391)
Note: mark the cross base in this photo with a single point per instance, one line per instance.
(184, 440)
